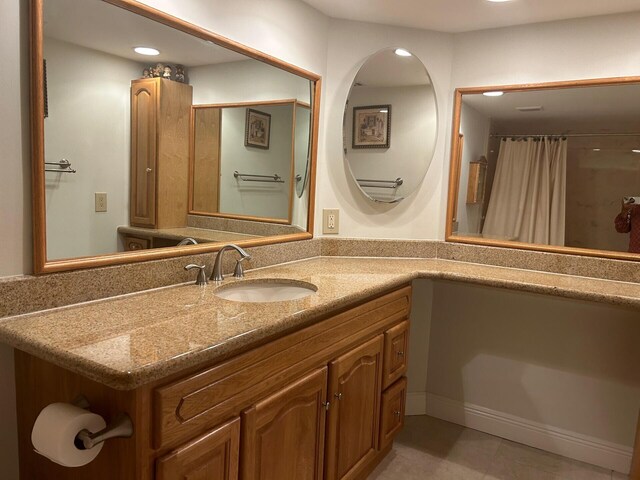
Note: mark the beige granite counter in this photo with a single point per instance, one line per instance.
(201, 235)
(127, 341)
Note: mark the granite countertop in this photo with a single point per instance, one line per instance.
(127, 341)
(201, 235)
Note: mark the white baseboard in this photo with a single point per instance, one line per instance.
(551, 439)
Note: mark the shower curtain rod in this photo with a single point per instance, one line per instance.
(570, 135)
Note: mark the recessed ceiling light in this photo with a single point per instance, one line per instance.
(402, 52)
(146, 51)
(596, 149)
(498, 1)
(493, 94)
(636, 150)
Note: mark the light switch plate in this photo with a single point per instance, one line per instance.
(330, 220)
(101, 202)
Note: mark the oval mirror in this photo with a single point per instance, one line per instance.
(302, 144)
(390, 125)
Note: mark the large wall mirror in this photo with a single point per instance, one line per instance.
(390, 125)
(153, 138)
(553, 167)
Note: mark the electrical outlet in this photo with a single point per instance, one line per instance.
(101, 202)
(330, 220)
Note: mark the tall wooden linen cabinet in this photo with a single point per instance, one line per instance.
(160, 119)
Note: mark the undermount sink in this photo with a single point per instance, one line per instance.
(266, 290)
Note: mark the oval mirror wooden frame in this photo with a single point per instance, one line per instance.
(454, 169)
(40, 263)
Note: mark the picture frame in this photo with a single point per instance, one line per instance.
(257, 129)
(371, 126)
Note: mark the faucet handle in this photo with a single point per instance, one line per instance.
(202, 277)
(238, 272)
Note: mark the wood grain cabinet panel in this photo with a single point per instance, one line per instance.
(189, 406)
(213, 456)
(144, 127)
(135, 243)
(276, 394)
(393, 408)
(160, 114)
(283, 435)
(396, 345)
(355, 385)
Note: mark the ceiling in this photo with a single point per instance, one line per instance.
(467, 15)
(100, 26)
(386, 69)
(608, 104)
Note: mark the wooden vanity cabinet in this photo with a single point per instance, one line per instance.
(355, 381)
(394, 399)
(311, 404)
(213, 456)
(283, 435)
(160, 119)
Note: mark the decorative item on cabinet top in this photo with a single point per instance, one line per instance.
(152, 154)
(387, 82)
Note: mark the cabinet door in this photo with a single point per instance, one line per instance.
(213, 456)
(392, 418)
(396, 344)
(144, 97)
(355, 381)
(283, 435)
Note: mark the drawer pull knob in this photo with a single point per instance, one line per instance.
(397, 413)
(326, 405)
(400, 354)
(338, 396)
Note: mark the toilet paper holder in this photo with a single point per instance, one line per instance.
(120, 426)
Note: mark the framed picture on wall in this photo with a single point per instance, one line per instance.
(257, 129)
(371, 126)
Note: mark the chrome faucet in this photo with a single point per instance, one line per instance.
(216, 275)
(187, 241)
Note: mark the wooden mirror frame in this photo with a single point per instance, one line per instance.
(192, 146)
(454, 168)
(40, 262)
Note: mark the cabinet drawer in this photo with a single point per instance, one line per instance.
(135, 243)
(392, 418)
(215, 453)
(396, 344)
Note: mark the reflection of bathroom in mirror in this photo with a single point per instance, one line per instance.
(559, 162)
(233, 178)
(128, 139)
(390, 125)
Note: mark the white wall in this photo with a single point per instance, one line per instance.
(350, 44)
(88, 124)
(256, 198)
(475, 128)
(414, 124)
(245, 81)
(15, 198)
(565, 364)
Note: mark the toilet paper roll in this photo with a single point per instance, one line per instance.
(56, 428)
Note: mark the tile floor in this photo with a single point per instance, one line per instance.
(432, 449)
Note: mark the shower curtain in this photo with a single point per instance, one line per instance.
(527, 200)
